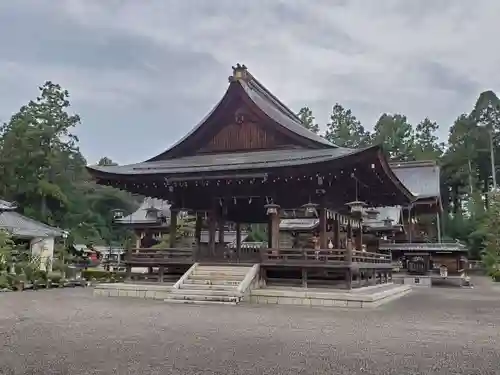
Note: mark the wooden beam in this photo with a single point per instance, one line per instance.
(173, 228)
(323, 238)
(238, 240)
(336, 232)
(212, 226)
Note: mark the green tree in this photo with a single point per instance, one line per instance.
(491, 254)
(345, 130)
(396, 134)
(427, 145)
(308, 121)
(43, 170)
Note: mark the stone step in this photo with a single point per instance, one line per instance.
(209, 287)
(195, 302)
(202, 297)
(230, 272)
(216, 277)
(205, 292)
(223, 268)
(211, 282)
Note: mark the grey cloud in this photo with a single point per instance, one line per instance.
(445, 78)
(142, 74)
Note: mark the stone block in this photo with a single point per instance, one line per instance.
(271, 300)
(113, 293)
(131, 293)
(354, 304)
(339, 303)
(150, 294)
(328, 302)
(317, 302)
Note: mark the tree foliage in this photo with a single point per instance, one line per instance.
(464, 159)
(42, 169)
(308, 120)
(345, 130)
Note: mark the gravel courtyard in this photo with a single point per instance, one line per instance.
(438, 331)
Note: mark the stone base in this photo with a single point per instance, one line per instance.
(371, 296)
(423, 281)
(143, 290)
(360, 298)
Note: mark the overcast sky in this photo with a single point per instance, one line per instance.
(142, 73)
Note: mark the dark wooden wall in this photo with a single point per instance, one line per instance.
(244, 136)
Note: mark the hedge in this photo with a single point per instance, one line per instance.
(102, 275)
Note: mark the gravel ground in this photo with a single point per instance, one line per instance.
(431, 331)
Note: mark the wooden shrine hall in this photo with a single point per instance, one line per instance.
(249, 161)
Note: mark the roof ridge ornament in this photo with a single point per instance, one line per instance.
(240, 72)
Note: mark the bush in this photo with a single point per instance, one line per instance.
(4, 281)
(101, 275)
(495, 275)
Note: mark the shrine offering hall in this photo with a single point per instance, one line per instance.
(251, 161)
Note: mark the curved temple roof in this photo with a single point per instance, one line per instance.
(298, 146)
(266, 102)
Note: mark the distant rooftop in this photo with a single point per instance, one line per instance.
(22, 226)
(422, 178)
(148, 213)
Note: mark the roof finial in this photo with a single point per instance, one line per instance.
(239, 72)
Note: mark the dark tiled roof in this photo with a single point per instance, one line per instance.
(393, 213)
(431, 247)
(280, 113)
(142, 215)
(267, 103)
(22, 226)
(230, 162)
(298, 224)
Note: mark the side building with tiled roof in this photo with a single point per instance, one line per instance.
(38, 236)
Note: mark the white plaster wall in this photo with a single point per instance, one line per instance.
(43, 247)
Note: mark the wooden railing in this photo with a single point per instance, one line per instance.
(340, 257)
(366, 257)
(322, 256)
(301, 256)
(161, 256)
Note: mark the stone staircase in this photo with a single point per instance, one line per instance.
(213, 285)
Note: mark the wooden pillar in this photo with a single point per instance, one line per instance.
(212, 225)
(197, 233)
(238, 240)
(349, 232)
(336, 232)
(323, 239)
(348, 278)
(275, 230)
(438, 226)
(269, 233)
(359, 238)
(221, 232)
(304, 277)
(161, 271)
(173, 228)
(138, 240)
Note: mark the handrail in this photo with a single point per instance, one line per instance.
(322, 256)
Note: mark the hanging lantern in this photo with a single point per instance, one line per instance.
(356, 207)
(371, 213)
(271, 208)
(387, 222)
(311, 209)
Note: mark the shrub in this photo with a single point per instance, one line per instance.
(495, 275)
(101, 275)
